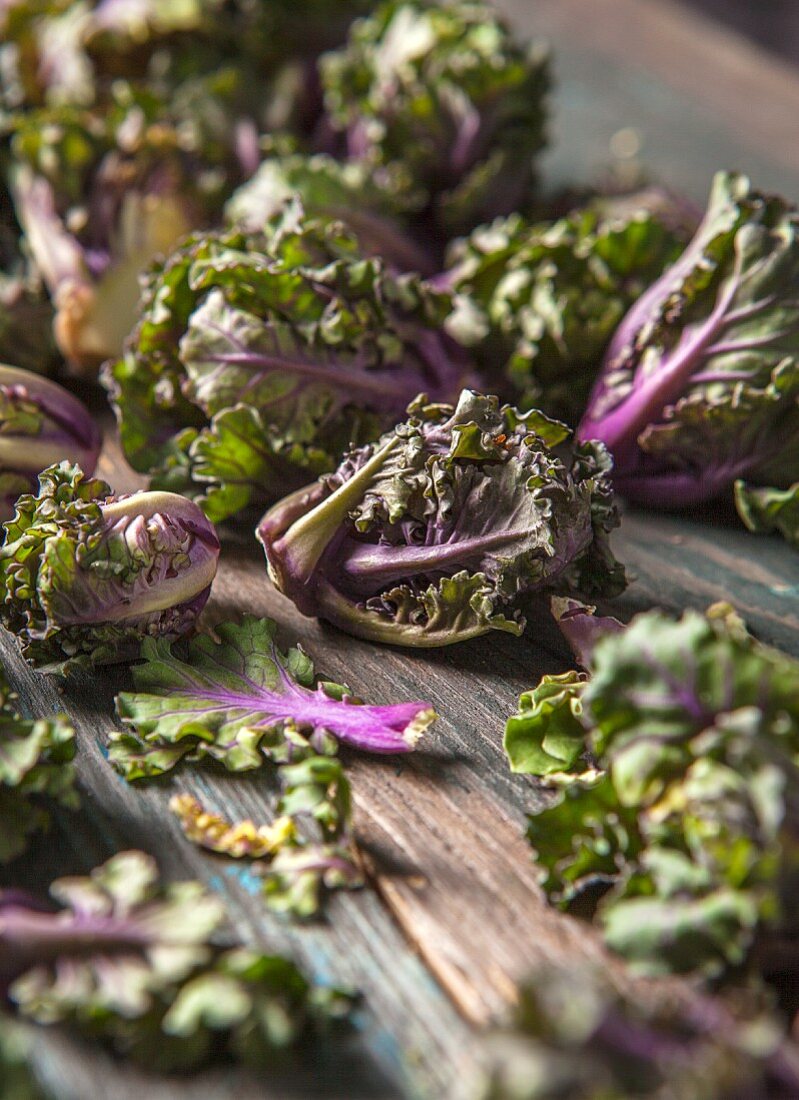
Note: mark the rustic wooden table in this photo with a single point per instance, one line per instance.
(453, 917)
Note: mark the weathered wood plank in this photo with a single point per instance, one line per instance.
(699, 96)
(443, 830)
(408, 1021)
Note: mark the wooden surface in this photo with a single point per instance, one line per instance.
(452, 918)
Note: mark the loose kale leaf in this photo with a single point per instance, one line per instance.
(86, 574)
(692, 823)
(574, 1034)
(129, 962)
(119, 939)
(547, 735)
(213, 832)
(242, 701)
(259, 357)
(296, 877)
(699, 383)
(582, 627)
(766, 510)
(540, 302)
(35, 769)
(435, 533)
(297, 866)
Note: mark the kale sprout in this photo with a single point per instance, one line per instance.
(445, 108)
(57, 52)
(26, 313)
(40, 424)
(699, 384)
(99, 192)
(258, 358)
(541, 301)
(575, 1034)
(89, 574)
(690, 823)
(435, 533)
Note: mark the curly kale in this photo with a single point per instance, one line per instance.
(438, 531)
(691, 823)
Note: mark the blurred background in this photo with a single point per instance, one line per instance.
(772, 23)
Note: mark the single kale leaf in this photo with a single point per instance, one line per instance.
(547, 735)
(129, 962)
(699, 384)
(575, 1034)
(119, 939)
(435, 533)
(258, 358)
(87, 574)
(445, 108)
(582, 627)
(309, 848)
(35, 772)
(540, 302)
(295, 879)
(692, 823)
(242, 701)
(765, 509)
(242, 839)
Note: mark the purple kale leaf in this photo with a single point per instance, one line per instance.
(242, 701)
(700, 381)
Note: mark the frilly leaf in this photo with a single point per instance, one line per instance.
(211, 831)
(546, 735)
(435, 533)
(242, 701)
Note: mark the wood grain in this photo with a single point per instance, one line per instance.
(697, 96)
(455, 917)
(720, 71)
